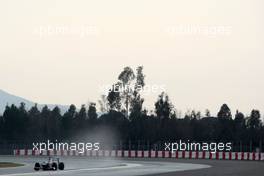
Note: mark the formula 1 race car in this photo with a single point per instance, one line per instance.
(52, 164)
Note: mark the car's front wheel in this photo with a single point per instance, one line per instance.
(54, 166)
(37, 167)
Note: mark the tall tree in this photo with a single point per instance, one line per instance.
(136, 107)
(240, 126)
(16, 121)
(80, 119)
(126, 77)
(254, 121)
(113, 98)
(137, 101)
(67, 122)
(225, 124)
(92, 114)
(35, 123)
(225, 112)
(163, 107)
(239, 119)
(45, 116)
(23, 118)
(55, 124)
(140, 78)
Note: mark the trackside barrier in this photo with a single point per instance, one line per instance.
(252, 156)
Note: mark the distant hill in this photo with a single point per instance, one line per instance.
(8, 99)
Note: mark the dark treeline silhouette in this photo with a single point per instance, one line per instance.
(123, 113)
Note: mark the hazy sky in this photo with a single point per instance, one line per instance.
(63, 51)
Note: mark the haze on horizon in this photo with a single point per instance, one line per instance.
(101, 37)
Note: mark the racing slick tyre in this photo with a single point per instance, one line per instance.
(61, 166)
(54, 166)
(37, 167)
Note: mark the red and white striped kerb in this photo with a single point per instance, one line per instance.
(147, 154)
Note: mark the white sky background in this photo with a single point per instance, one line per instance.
(199, 71)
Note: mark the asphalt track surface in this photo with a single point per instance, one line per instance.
(83, 166)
